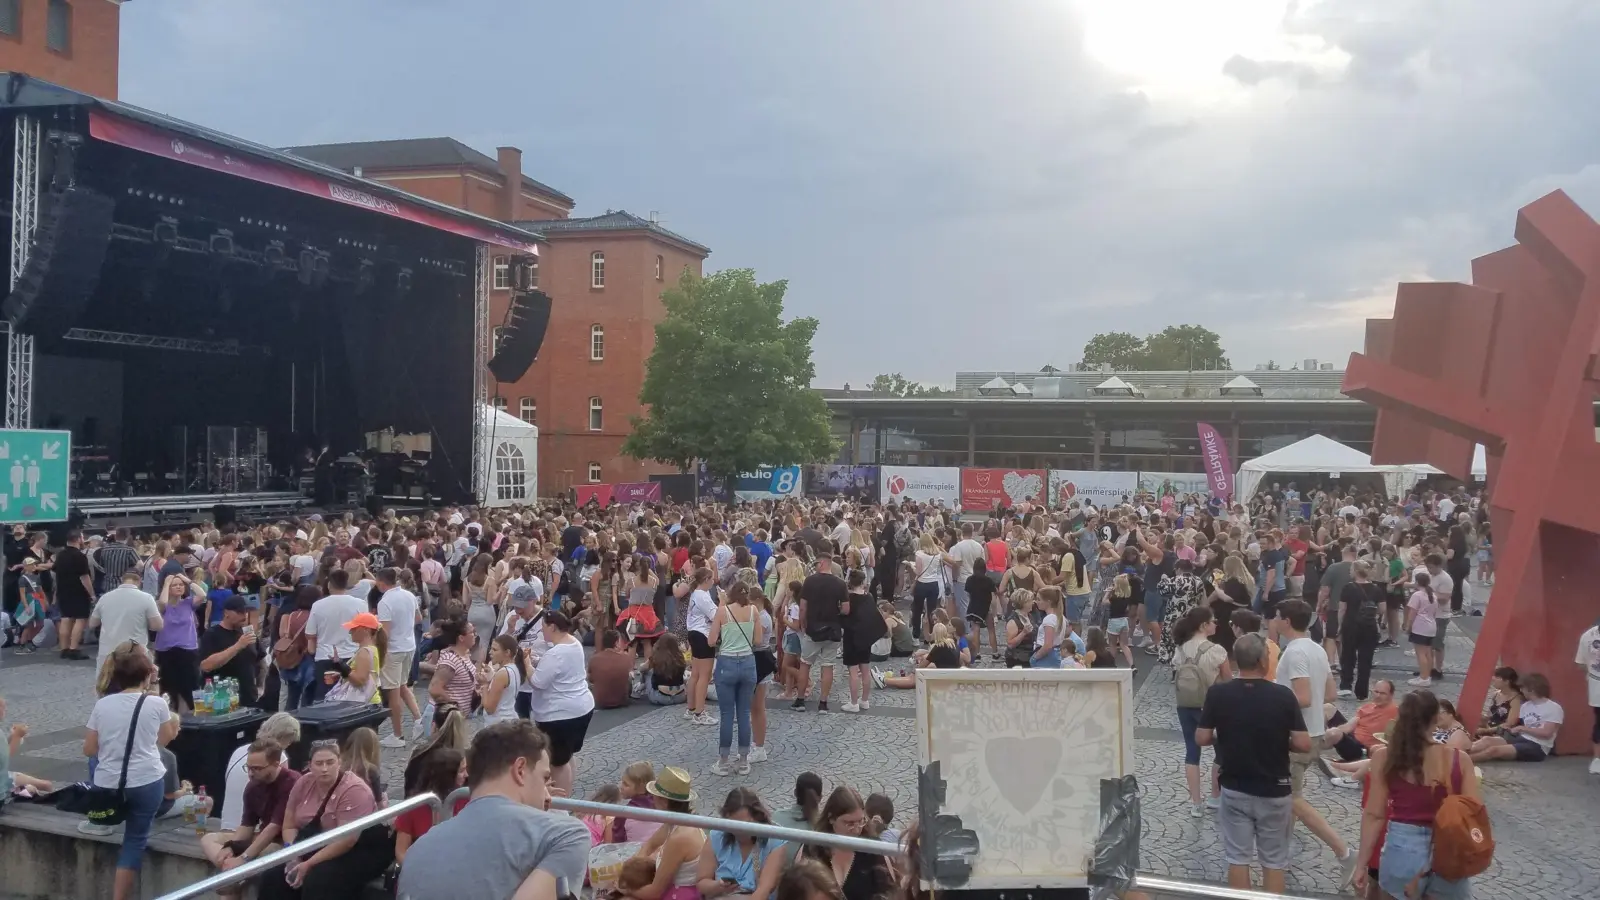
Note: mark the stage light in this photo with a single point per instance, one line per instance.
(222, 242)
(274, 255)
(403, 281)
(365, 275)
(166, 231)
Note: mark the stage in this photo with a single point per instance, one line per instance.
(212, 318)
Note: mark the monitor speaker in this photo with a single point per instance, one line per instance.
(64, 263)
(521, 338)
(224, 515)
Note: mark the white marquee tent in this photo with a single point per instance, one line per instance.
(1419, 471)
(1321, 455)
(512, 448)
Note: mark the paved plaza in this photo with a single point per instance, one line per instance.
(1543, 814)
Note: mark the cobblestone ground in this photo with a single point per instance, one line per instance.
(1543, 814)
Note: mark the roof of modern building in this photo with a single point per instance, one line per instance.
(611, 220)
(411, 153)
(1279, 384)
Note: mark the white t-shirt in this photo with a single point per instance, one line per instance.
(111, 717)
(326, 624)
(932, 566)
(1534, 714)
(1442, 585)
(1053, 625)
(702, 609)
(1303, 658)
(1589, 657)
(304, 566)
(967, 551)
(533, 641)
(124, 614)
(398, 610)
(561, 684)
(1351, 510)
(233, 797)
(1446, 507)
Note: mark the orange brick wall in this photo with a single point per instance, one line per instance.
(90, 63)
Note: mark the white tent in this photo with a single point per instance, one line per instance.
(1419, 471)
(512, 448)
(1315, 455)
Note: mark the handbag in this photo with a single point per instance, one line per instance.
(107, 806)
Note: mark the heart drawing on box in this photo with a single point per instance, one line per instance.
(1021, 487)
(1016, 764)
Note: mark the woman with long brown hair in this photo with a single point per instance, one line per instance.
(861, 876)
(481, 611)
(664, 683)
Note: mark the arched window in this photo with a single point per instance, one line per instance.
(594, 473)
(596, 412)
(597, 342)
(510, 472)
(597, 269)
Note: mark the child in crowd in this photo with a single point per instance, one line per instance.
(638, 872)
(880, 817)
(600, 825)
(632, 792)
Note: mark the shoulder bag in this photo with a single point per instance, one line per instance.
(108, 806)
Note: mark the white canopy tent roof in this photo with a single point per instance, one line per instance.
(1419, 471)
(1315, 454)
(512, 448)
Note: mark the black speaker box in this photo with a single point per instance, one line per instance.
(522, 337)
(64, 263)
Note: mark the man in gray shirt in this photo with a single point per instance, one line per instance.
(503, 841)
(1338, 575)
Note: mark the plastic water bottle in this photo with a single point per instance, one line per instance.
(202, 700)
(191, 816)
(200, 810)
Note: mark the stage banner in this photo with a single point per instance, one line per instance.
(710, 487)
(768, 483)
(599, 493)
(1175, 484)
(981, 489)
(1102, 489)
(1214, 459)
(637, 492)
(855, 482)
(920, 484)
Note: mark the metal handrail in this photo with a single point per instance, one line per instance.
(1155, 884)
(732, 826)
(301, 848)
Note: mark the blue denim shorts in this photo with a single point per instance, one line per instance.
(1407, 855)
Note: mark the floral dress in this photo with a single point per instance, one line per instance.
(1183, 592)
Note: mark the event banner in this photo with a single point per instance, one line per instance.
(1101, 489)
(1174, 484)
(854, 482)
(919, 484)
(1214, 459)
(637, 492)
(768, 483)
(598, 493)
(982, 489)
(711, 487)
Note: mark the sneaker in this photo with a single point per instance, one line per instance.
(689, 714)
(1476, 612)
(744, 767)
(88, 827)
(1420, 682)
(799, 704)
(1345, 781)
(850, 707)
(865, 705)
(419, 730)
(1594, 766)
(877, 679)
(721, 767)
(66, 654)
(1387, 642)
(1197, 811)
(1346, 694)
(822, 706)
(705, 718)
(1213, 803)
(1347, 868)
(1437, 675)
(757, 754)
(393, 742)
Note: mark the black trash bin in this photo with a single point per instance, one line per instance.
(205, 743)
(332, 721)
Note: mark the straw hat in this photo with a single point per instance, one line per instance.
(672, 784)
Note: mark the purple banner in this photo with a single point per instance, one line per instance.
(1214, 456)
(637, 492)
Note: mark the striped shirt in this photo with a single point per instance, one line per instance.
(112, 561)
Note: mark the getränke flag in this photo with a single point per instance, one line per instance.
(1214, 459)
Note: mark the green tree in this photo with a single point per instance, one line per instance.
(729, 381)
(897, 385)
(1117, 349)
(1183, 347)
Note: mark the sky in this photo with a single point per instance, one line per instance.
(964, 184)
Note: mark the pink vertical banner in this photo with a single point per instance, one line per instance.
(1214, 456)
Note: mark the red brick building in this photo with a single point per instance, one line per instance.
(73, 43)
(604, 273)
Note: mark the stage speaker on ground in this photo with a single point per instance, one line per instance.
(224, 515)
(522, 336)
(64, 263)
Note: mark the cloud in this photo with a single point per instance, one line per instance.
(954, 185)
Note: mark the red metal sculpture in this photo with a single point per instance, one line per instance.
(1511, 361)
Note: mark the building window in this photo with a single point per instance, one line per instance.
(596, 419)
(594, 473)
(510, 472)
(597, 342)
(58, 26)
(500, 403)
(597, 269)
(11, 17)
(494, 339)
(502, 273)
(530, 410)
(660, 266)
(533, 273)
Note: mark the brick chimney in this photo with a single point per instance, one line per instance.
(510, 159)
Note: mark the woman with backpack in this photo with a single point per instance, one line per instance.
(1425, 805)
(296, 669)
(1197, 664)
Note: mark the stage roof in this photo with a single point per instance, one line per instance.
(150, 132)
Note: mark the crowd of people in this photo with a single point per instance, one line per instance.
(542, 615)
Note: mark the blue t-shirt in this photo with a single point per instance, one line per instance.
(1275, 560)
(733, 865)
(762, 552)
(217, 596)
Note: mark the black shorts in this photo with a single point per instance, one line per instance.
(1269, 606)
(1332, 623)
(856, 651)
(700, 646)
(1394, 601)
(1421, 640)
(766, 664)
(566, 737)
(180, 672)
(1527, 750)
(74, 607)
(1594, 736)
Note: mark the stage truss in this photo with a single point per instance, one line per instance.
(25, 176)
(480, 365)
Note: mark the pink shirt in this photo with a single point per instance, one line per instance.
(1425, 623)
(1186, 552)
(351, 800)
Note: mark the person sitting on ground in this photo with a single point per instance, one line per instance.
(1504, 706)
(1352, 740)
(444, 770)
(880, 818)
(677, 848)
(263, 799)
(941, 654)
(632, 792)
(807, 799)
(1531, 739)
(610, 669)
(861, 876)
(282, 729)
(735, 863)
(665, 675)
(24, 785)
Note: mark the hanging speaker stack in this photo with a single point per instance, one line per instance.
(522, 336)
